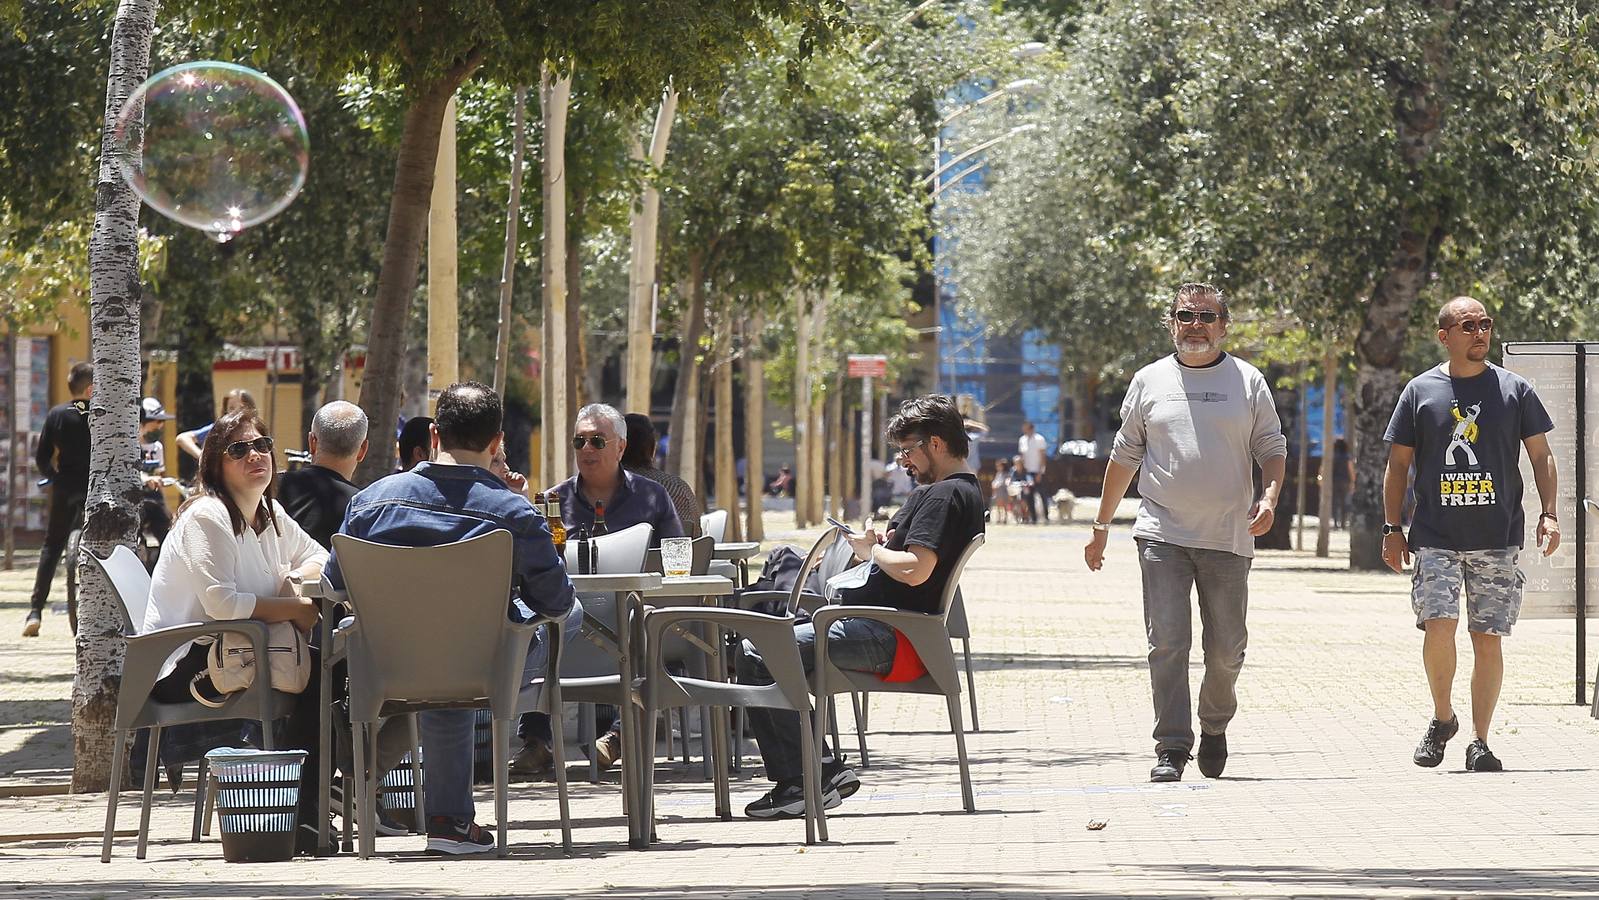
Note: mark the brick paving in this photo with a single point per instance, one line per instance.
(1320, 797)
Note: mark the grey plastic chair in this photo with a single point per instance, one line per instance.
(961, 630)
(590, 672)
(135, 709)
(714, 525)
(929, 634)
(682, 650)
(773, 635)
(475, 653)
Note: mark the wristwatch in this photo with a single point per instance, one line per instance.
(1392, 529)
(1101, 526)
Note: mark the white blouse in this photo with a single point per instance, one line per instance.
(206, 573)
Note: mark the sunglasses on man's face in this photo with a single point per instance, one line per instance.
(1472, 326)
(1187, 316)
(597, 441)
(241, 449)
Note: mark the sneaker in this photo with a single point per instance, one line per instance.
(1430, 752)
(1480, 759)
(386, 824)
(457, 837)
(608, 749)
(1169, 764)
(534, 760)
(839, 778)
(786, 800)
(1212, 757)
(30, 626)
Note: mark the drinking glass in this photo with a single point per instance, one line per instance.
(676, 556)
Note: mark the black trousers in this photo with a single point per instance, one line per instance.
(299, 731)
(66, 514)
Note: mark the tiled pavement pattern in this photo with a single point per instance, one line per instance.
(1320, 798)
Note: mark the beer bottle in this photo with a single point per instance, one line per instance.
(599, 519)
(552, 516)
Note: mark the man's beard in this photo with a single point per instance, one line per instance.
(1191, 344)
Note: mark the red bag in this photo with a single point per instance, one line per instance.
(907, 664)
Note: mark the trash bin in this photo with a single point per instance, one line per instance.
(257, 792)
(397, 795)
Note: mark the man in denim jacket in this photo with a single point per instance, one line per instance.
(453, 498)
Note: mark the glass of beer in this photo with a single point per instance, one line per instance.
(676, 556)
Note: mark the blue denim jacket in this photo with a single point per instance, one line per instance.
(440, 504)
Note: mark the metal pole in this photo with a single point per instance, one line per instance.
(866, 447)
(1581, 464)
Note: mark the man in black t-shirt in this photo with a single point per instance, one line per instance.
(911, 565)
(318, 495)
(63, 457)
(1463, 425)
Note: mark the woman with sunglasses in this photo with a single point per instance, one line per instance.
(233, 553)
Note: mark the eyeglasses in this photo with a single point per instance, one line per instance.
(1187, 316)
(597, 441)
(905, 452)
(1472, 326)
(241, 449)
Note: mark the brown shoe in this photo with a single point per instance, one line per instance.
(608, 749)
(533, 760)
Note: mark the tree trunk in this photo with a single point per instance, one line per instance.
(444, 267)
(702, 424)
(754, 427)
(576, 338)
(641, 282)
(683, 448)
(818, 332)
(112, 507)
(802, 408)
(835, 444)
(1301, 469)
(1324, 500)
(1084, 387)
(15, 446)
(726, 467)
(556, 97)
(402, 255)
(1385, 328)
(310, 396)
(513, 221)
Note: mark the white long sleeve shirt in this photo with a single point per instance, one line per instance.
(206, 573)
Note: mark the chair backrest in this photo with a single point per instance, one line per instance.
(952, 586)
(714, 524)
(812, 560)
(431, 622)
(955, 621)
(704, 547)
(620, 552)
(132, 583)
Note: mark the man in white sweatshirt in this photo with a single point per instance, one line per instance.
(1194, 425)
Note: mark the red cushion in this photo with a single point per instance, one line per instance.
(907, 664)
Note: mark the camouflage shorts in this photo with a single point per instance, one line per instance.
(1491, 579)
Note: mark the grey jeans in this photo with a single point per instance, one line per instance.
(1170, 575)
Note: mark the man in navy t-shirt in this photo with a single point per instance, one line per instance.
(1462, 425)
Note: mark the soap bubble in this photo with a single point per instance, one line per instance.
(224, 146)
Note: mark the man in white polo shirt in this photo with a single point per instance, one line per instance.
(1031, 445)
(1194, 426)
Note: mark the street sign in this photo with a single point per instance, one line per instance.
(866, 365)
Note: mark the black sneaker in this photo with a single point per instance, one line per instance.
(838, 777)
(786, 800)
(1169, 764)
(30, 626)
(457, 837)
(1480, 759)
(1430, 752)
(1212, 756)
(386, 824)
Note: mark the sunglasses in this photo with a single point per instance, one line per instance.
(1187, 316)
(241, 449)
(1472, 326)
(905, 452)
(598, 442)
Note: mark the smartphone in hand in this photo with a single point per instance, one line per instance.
(840, 526)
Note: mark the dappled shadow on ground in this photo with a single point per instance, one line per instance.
(1273, 880)
(986, 662)
(268, 889)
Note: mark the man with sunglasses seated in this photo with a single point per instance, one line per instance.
(452, 498)
(599, 438)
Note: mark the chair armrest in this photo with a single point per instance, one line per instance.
(147, 653)
(749, 599)
(750, 624)
(927, 634)
(888, 615)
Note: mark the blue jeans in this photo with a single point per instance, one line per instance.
(1171, 575)
(856, 645)
(447, 733)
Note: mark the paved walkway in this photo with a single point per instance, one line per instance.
(1320, 798)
